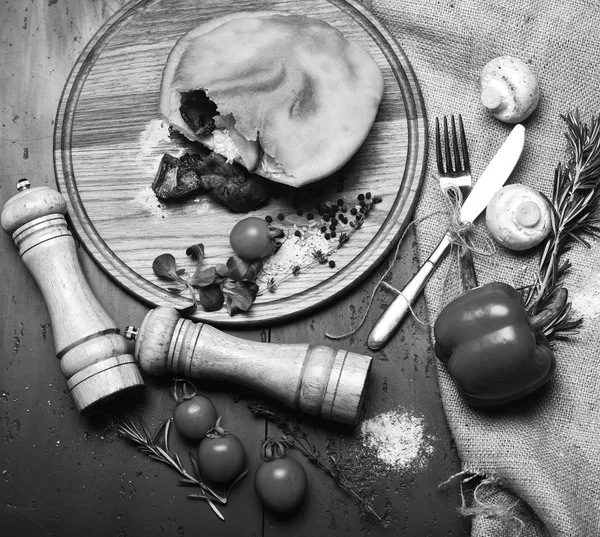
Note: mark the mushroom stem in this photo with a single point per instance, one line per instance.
(491, 98)
(528, 214)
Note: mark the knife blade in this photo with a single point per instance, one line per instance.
(491, 180)
(495, 175)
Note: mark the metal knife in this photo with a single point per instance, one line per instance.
(492, 179)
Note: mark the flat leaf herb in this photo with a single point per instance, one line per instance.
(232, 284)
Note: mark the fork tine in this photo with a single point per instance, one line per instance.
(449, 165)
(465, 150)
(438, 148)
(457, 163)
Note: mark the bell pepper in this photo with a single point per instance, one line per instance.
(492, 351)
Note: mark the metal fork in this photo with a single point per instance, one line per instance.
(452, 170)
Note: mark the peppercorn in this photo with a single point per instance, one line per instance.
(269, 218)
(326, 217)
(332, 263)
(334, 208)
(280, 216)
(310, 216)
(299, 212)
(298, 233)
(340, 202)
(353, 211)
(334, 221)
(332, 227)
(327, 236)
(323, 229)
(361, 197)
(368, 195)
(344, 209)
(333, 233)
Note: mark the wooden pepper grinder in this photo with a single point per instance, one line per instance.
(317, 380)
(94, 357)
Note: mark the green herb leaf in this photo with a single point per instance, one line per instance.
(238, 297)
(212, 298)
(252, 289)
(221, 270)
(165, 266)
(253, 270)
(196, 252)
(203, 277)
(237, 268)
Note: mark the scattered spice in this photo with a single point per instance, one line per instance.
(315, 244)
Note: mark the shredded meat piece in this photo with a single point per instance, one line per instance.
(198, 111)
(230, 184)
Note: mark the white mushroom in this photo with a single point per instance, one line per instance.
(509, 89)
(518, 217)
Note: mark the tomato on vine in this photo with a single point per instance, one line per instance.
(194, 417)
(280, 481)
(221, 455)
(252, 238)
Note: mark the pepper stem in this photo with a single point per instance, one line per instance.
(546, 316)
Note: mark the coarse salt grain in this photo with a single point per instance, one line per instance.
(396, 438)
(293, 252)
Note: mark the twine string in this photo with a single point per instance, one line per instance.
(465, 237)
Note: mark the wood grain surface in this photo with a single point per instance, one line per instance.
(66, 474)
(110, 139)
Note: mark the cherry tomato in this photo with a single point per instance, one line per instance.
(194, 417)
(281, 484)
(251, 238)
(221, 458)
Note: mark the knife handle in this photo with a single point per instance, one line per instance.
(387, 324)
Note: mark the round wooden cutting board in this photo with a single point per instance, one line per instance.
(109, 139)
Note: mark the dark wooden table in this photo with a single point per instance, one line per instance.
(64, 474)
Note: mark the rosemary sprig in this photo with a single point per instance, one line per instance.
(295, 438)
(156, 446)
(576, 213)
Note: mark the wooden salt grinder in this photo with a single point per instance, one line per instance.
(315, 379)
(94, 357)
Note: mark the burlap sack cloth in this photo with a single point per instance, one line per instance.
(543, 456)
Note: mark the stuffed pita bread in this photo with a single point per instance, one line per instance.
(287, 96)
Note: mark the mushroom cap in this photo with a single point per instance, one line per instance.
(518, 217)
(509, 89)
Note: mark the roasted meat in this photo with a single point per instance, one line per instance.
(198, 111)
(230, 184)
